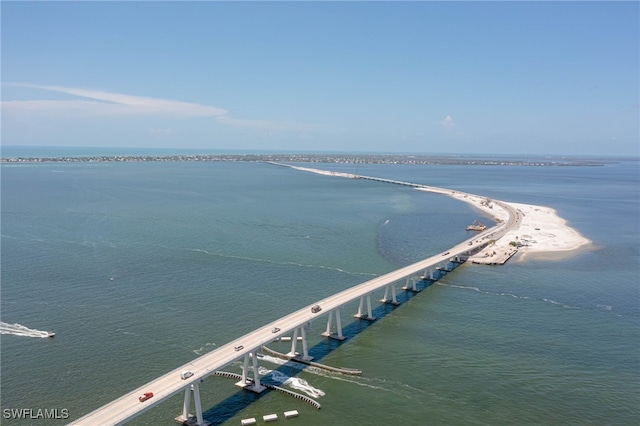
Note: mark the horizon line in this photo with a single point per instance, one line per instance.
(245, 151)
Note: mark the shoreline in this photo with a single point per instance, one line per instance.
(336, 158)
(541, 229)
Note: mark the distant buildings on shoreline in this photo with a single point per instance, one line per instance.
(321, 158)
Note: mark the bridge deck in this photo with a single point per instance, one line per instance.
(128, 406)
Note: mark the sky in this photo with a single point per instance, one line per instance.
(550, 78)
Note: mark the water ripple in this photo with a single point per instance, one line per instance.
(274, 262)
(601, 307)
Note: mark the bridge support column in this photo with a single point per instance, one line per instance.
(187, 403)
(442, 271)
(187, 418)
(427, 275)
(393, 299)
(198, 403)
(249, 384)
(294, 342)
(413, 286)
(338, 335)
(369, 316)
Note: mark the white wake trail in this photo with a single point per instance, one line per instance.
(20, 330)
(294, 382)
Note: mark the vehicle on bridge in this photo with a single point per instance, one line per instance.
(275, 329)
(124, 409)
(145, 396)
(186, 374)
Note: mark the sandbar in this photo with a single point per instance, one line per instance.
(541, 230)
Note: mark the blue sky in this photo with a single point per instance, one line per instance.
(424, 77)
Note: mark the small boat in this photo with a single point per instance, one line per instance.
(476, 226)
(51, 334)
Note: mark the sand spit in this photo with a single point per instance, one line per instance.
(541, 229)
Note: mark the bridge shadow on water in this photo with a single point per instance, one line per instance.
(229, 407)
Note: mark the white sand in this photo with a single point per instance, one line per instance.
(541, 229)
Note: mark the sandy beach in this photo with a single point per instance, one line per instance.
(540, 231)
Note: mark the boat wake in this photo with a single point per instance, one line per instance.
(20, 330)
(293, 382)
(208, 347)
(313, 370)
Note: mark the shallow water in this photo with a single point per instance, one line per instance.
(140, 267)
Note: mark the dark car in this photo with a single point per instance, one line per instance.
(316, 309)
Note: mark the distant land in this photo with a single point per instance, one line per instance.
(330, 158)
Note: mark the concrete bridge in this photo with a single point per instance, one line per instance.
(247, 347)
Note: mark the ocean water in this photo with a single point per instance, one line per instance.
(141, 267)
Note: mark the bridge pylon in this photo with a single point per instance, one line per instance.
(369, 316)
(188, 419)
(246, 383)
(338, 334)
(413, 287)
(393, 299)
(294, 343)
(427, 275)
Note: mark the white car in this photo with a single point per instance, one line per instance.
(186, 374)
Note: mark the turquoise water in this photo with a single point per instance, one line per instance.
(141, 267)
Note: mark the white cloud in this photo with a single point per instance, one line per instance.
(447, 123)
(107, 103)
(98, 103)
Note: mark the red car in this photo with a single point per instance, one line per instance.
(146, 396)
